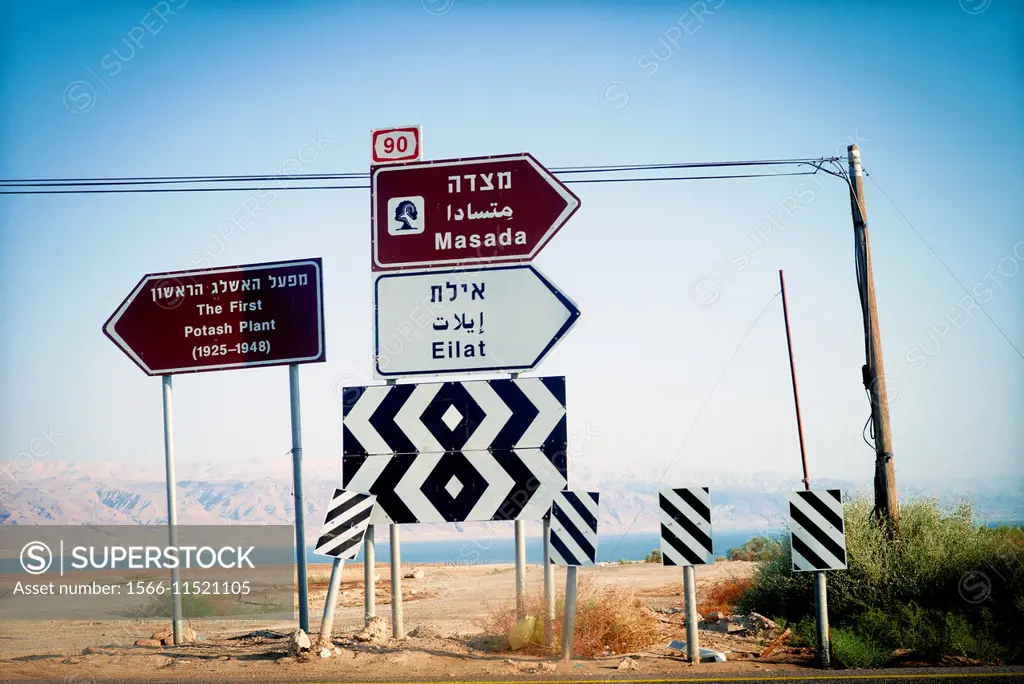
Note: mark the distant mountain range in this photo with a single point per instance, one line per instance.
(109, 494)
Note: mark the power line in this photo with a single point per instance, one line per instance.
(945, 265)
(119, 190)
(681, 178)
(599, 168)
(117, 184)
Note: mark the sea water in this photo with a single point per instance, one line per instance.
(486, 550)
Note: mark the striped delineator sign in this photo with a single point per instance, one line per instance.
(817, 532)
(574, 528)
(345, 524)
(457, 451)
(685, 526)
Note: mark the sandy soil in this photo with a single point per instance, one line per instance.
(451, 603)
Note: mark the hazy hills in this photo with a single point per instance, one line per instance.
(67, 493)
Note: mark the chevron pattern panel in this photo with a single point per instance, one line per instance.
(457, 451)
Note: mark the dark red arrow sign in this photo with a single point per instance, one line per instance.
(465, 211)
(216, 319)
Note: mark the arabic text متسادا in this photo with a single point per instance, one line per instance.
(504, 212)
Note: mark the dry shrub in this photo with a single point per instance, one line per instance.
(723, 596)
(608, 617)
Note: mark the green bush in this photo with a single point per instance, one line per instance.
(944, 586)
(853, 650)
(653, 557)
(755, 549)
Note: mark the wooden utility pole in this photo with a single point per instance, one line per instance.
(886, 503)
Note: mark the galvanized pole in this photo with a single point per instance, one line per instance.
(820, 591)
(327, 623)
(821, 618)
(397, 623)
(520, 568)
(692, 636)
(300, 516)
(369, 576)
(549, 585)
(569, 619)
(397, 626)
(172, 511)
(520, 530)
(886, 502)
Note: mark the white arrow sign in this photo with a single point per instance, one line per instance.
(467, 321)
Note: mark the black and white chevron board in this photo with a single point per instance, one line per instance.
(574, 528)
(685, 526)
(348, 516)
(817, 531)
(456, 451)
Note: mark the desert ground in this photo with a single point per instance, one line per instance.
(445, 615)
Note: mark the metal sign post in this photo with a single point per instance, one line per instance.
(300, 517)
(821, 618)
(569, 619)
(397, 622)
(344, 528)
(520, 553)
(549, 585)
(172, 508)
(692, 635)
(369, 577)
(574, 542)
(327, 623)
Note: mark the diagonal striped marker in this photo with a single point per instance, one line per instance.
(345, 524)
(574, 528)
(817, 532)
(685, 526)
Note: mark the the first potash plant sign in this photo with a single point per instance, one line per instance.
(233, 317)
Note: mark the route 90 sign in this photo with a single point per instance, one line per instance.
(392, 145)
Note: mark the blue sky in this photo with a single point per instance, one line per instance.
(933, 94)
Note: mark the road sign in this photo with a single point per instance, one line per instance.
(496, 319)
(816, 530)
(391, 145)
(475, 415)
(348, 516)
(574, 529)
(471, 486)
(457, 451)
(233, 317)
(465, 211)
(685, 526)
